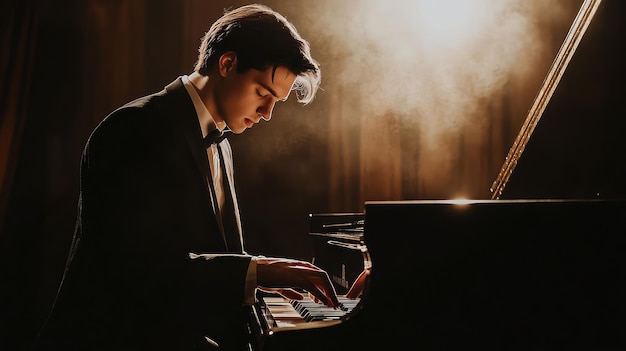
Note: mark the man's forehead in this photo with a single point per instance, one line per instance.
(279, 81)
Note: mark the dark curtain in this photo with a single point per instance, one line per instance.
(19, 39)
(20, 24)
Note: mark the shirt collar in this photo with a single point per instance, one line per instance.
(207, 122)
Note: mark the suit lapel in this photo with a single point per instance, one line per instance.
(183, 113)
(182, 107)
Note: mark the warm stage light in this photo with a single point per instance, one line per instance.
(442, 68)
(449, 23)
(434, 25)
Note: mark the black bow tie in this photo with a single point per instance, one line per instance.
(214, 137)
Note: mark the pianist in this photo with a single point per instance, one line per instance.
(158, 261)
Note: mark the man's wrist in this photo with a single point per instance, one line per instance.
(251, 283)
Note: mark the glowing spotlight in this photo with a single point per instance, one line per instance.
(450, 22)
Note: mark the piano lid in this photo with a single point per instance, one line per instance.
(577, 149)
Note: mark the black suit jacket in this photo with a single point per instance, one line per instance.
(144, 207)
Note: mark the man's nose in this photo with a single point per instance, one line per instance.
(266, 111)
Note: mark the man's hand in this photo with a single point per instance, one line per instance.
(280, 275)
(359, 284)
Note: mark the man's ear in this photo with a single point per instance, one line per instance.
(227, 62)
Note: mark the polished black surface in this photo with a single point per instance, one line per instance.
(498, 274)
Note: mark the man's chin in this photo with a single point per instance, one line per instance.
(238, 130)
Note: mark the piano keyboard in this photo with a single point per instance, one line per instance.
(282, 313)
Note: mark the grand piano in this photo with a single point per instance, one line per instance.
(539, 266)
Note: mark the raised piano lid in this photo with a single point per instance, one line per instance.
(578, 148)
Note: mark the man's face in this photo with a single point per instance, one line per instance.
(243, 99)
